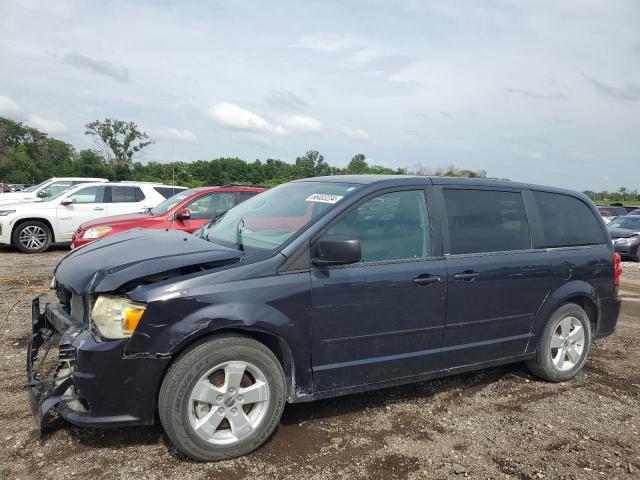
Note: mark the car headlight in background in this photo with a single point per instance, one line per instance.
(116, 317)
(96, 232)
(4, 213)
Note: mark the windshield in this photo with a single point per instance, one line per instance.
(35, 187)
(630, 223)
(269, 219)
(171, 202)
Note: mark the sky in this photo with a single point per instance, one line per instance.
(538, 91)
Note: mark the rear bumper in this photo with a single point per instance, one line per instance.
(609, 313)
(93, 384)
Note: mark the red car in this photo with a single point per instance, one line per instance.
(187, 210)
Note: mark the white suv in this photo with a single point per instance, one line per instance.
(45, 190)
(33, 226)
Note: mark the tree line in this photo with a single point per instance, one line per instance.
(28, 155)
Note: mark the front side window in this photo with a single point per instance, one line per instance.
(210, 205)
(55, 189)
(485, 221)
(172, 202)
(391, 226)
(567, 221)
(266, 221)
(93, 194)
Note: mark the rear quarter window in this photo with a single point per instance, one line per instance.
(167, 192)
(567, 221)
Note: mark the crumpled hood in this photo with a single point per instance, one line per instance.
(622, 233)
(107, 264)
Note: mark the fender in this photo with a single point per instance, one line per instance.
(571, 289)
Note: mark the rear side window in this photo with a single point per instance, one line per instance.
(486, 221)
(242, 196)
(567, 221)
(167, 192)
(126, 194)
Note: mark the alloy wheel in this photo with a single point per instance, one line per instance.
(228, 402)
(33, 237)
(567, 343)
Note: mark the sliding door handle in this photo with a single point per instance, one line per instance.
(427, 279)
(466, 276)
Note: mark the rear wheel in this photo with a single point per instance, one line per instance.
(222, 399)
(563, 346)
(32, 237)
(635, 256)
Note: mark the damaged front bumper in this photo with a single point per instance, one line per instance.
(87, 381)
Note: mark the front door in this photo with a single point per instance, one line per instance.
(382, 318)
(497, 282)
(86, 204)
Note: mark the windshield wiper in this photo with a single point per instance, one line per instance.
(239, 235)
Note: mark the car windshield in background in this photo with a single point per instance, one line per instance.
(171, 202)
(35, 187)
(629, 223)
(269, 219)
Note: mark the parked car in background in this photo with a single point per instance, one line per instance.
(5, 188)
(186, 211)
(625, 233)
(635, 211)
(33, 226)
(319, 288)
(609, 212)
(47, 189)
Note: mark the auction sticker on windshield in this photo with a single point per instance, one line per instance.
(323, 198)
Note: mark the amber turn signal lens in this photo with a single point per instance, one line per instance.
(130, 318)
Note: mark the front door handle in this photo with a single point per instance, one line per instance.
(98, 208)
(426, 279)
(466, 276)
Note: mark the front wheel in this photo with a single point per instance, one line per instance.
(563, 346)
(32, 237)
(222, 399)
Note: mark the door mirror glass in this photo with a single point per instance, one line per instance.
(42, 194)
(183, 214)
(337, 250)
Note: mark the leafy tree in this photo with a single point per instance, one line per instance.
(119, 140)
(358, 165)
(312, 164)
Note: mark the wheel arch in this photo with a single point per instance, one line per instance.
(34, 219)
(578, 292)
(276, 344)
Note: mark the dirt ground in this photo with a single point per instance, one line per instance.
(495, 423)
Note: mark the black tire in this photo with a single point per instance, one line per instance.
(542, 365)
(36, 226)
(636, 255)
(175, 408)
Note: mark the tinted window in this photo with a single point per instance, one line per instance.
(126, 194)
(486, 221)
(392, 226)
(167, 192)
(88, 195)
(242, 196)
(208, 206)
(567, 221)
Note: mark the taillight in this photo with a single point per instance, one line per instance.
(617, 269)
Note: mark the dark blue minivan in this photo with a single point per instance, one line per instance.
(317, 288)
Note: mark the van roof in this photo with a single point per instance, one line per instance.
(393, 180)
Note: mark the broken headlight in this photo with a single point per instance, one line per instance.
(116, 317)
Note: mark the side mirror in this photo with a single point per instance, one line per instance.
(183, 214)
(66, 201)
(336, 250)
(42, 194)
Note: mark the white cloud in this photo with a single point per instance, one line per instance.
(186, 136)
(300, 123)
(230, 115)
(46, 125)
(8, 106)
(355, 133)
(327, 43)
